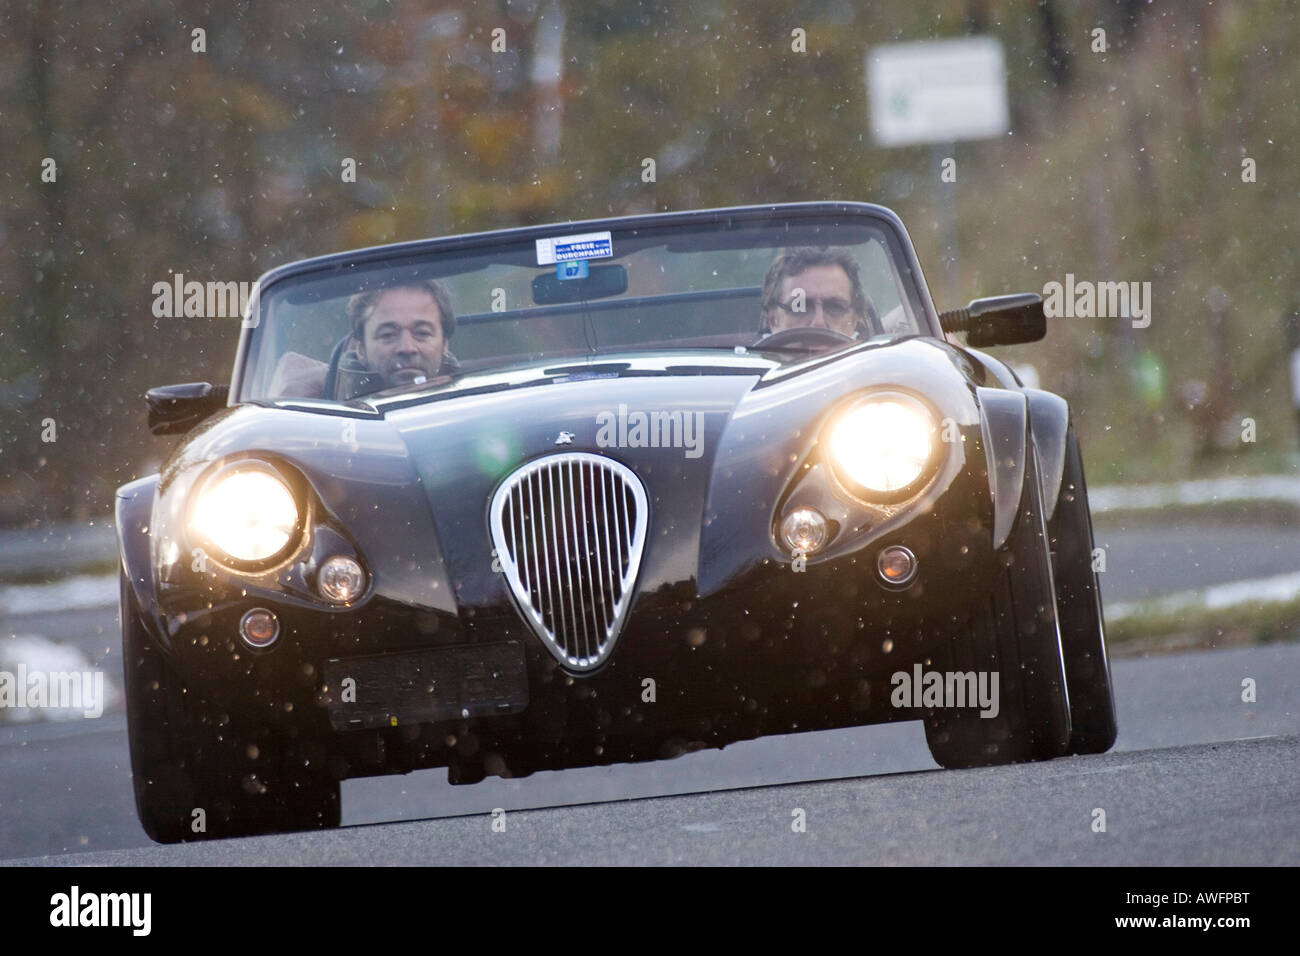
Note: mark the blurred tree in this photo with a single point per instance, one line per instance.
(1055, 54)
(224, 163)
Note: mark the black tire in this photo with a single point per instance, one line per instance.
(1078, 603)
(187, 755)
(1014, 634)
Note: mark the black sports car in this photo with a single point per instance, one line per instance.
(599, 492)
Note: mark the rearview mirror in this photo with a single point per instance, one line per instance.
(600, 282)
(999, 320)
(175, 409)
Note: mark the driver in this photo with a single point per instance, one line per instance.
(402, 331)
(816, 287)
(399, 335)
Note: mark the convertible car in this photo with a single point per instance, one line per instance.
(601, 492)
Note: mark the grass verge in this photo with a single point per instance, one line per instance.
(1140, 634)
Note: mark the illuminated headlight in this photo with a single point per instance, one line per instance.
(883, 446)
(246, 512)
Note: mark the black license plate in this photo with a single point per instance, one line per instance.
(443, 683)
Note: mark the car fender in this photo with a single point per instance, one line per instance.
(775, 427)
(133, 512)
(1004, 421)
(999, 371)
(1049, 420)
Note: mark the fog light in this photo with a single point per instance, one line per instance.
(803, 530)
(259, 627)
(341, 579)
(896, 565)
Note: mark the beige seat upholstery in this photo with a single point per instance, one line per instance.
(298, 376)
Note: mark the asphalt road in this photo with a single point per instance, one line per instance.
(1186, 776)
(56, 547)
(1149, 556)
(1196, 776)
(1215, 804)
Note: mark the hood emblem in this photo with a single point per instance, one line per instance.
(565, 438)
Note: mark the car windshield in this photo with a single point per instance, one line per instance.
(785, 288)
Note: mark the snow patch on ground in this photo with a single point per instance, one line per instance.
(27, 693)
(1204, 491)
(1277, 589)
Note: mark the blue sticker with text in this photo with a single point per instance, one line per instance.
(591, 245)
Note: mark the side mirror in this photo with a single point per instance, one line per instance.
(175, 409)
(999, 320)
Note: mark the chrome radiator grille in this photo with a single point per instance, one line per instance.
(569, 530)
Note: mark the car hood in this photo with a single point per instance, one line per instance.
(715, 441)
(663, 421)
(411, 476)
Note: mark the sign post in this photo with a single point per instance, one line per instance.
(939, 92)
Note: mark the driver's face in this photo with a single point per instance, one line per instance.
(827, 301)
(403, 337)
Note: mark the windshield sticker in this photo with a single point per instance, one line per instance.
(592, 245)
(577, 269)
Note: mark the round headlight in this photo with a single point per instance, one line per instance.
(804, 531)
(246, 512)
(259, 627)
(896, 565)
(883, 446)
(341, 579)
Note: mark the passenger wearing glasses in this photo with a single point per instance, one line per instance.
(816, 287)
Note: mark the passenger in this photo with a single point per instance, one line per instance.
(816, 287)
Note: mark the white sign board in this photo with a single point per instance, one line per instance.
(937, 91)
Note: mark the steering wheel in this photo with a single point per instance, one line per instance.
(811, 334)
(332, 375)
